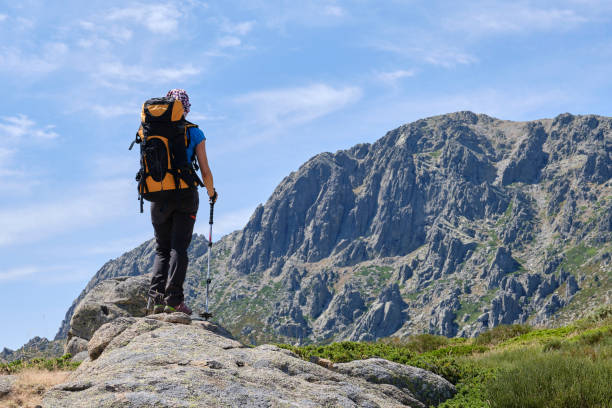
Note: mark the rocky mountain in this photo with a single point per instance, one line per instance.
(36, 347)
(447, 225)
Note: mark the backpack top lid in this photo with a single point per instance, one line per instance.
(162, 110)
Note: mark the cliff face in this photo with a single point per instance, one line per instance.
(448, 225)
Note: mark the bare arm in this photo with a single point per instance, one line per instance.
(203, 162)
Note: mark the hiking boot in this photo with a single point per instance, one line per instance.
(158, 308)
(180, 308)
(158, 303)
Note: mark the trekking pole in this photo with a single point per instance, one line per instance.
(207, 315)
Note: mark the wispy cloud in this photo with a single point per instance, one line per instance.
(514, 17)
(98, 202)
(3, 17)
(290, 14)
(196, 116)
(290, 106)
(436, 53)
(393, 76)
(117, 246)
(50, 57)
(229, 41)
(16, 132)
(157, 18)
(17, 273)
(511, 104)
(333, 10)
(225, 222)
(111, 111)
(47, 273)
(14, 128)
(137, 73)
(242, 28)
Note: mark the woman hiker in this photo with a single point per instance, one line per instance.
(173, 223)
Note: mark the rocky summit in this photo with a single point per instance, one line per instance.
(172, 361)
(448, 225)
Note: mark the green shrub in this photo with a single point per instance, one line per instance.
(502, 332)
(348, 351)
(551, 380)
(595, 336)
(552, 344)
(50, 364)
(458, 350)
(422, 343)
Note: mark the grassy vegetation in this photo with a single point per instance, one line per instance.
(507, 366)
(467, 307)
(49, 364)
(578, 256)
(435, 154)
(376, 275)
(30, 385)
(33, 377)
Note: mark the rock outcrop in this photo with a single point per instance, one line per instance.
(146, 362)
(6, 384)
(107, 301)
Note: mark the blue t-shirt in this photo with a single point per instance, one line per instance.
(196, 136)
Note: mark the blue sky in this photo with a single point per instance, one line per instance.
(272, 83)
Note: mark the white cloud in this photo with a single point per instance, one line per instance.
(111, 111)
(50, 57)
(225, 222)
(196, 116)
(17, 132)
(435, 54)
(291, 106)
(335, 11)
(242, 28)
(98, 202)
(17, 273)
(6, 154)
(514, 17)
(447, 58)
(14, 128)
(47, 273)
(229, 41)
(157, 18)
(116, 247)
(394, 76)
(314, 13)
(118, 70)
(507, 104)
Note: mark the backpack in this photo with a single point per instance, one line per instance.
(165, 170)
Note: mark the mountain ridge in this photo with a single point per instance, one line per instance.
(449, 225)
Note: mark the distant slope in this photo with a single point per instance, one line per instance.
(449, 225)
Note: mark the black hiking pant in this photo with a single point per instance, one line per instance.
(173, 223)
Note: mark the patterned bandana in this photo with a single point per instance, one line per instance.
(182, 96)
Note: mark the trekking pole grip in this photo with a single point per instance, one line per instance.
(212, 207)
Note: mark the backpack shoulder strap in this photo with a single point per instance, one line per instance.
(188, 124)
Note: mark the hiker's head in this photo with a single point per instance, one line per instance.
(182, 96)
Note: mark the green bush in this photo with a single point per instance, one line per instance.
(422, 343)
(348, 351)
(551, 380)
(502, 332)
(552, 344)
(50, 364)
(595, 336)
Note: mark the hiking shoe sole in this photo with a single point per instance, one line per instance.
(159, 309)
(180, 308)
